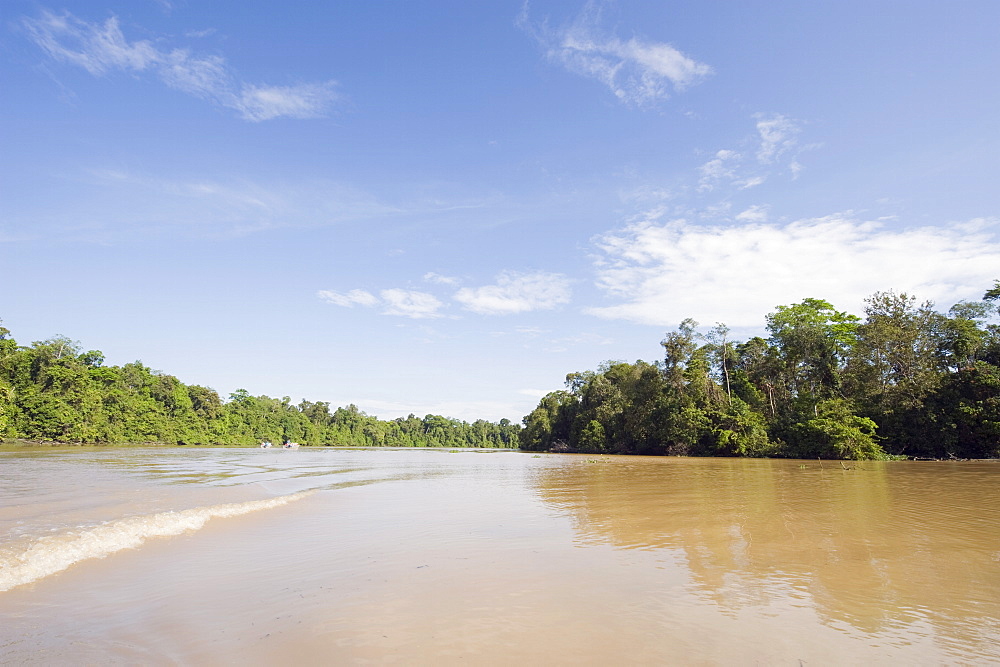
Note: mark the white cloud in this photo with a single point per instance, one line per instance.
(401, 302)
(103, 48)
(637, 71)
(663, 273)
(646, 194)
(778, 135)
(303, 101)
(719, 211)
(409, 303)
(96, 48)
(512, 293)
(348, 299)
(776, 138)
(755, 213)
(439, 279)
(202, 77)
(720, 167)
(516, 293)
(754, 181)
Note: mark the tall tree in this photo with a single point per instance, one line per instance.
(813, 340)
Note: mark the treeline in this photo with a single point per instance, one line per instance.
(54, 391)
(904, 381)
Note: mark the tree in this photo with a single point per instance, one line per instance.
(718, 338)
(740, 431)
(961, 418)
(812, 340)
(548, 425)
(8, 406)
(836, 432)
(678, 346)
(993, 293)
(592, 438)
(51, 390)
(961, 334)
(896, 360)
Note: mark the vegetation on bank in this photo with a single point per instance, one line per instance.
(54, 391)
(904, 381)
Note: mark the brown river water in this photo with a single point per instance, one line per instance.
(437, 557)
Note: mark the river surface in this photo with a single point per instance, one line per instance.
(437, 557)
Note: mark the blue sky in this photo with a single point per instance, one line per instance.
(444, 207)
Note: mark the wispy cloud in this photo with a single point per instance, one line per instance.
(410, 303)
(356, 297)
(114, 202)
(511, 293)
(96, 48)
(755, 213)
(126, 203)
(516, 293)
(721, 167)
(308, 100)
(102, 48)
(439, 279)
(661, 272)
(778, 135)
(638, 72)
(774, 146)
(754, 181)
(400, 302)
(205, 77)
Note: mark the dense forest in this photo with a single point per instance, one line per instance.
(904, 381)
(54, 391)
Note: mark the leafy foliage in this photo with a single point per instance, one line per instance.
(53, 391)
(905, 380)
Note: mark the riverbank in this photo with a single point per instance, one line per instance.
(20, 443)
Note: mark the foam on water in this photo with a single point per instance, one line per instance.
(56, 553)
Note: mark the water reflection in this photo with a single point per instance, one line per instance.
(879, 548)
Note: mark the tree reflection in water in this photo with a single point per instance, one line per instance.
(880, 546)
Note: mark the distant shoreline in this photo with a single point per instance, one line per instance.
(13, 444)
(22, 443)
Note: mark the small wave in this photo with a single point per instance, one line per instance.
(56, 553)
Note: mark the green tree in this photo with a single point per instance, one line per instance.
(7, 397)
(961, 418)
(678, 347)
(548, 426)
(592, 438)
(812, 340)
(836, 432)
(738, 430)
(961, 336)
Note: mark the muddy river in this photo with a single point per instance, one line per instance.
(323, 556)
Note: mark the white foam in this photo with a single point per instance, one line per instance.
(58, 552)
